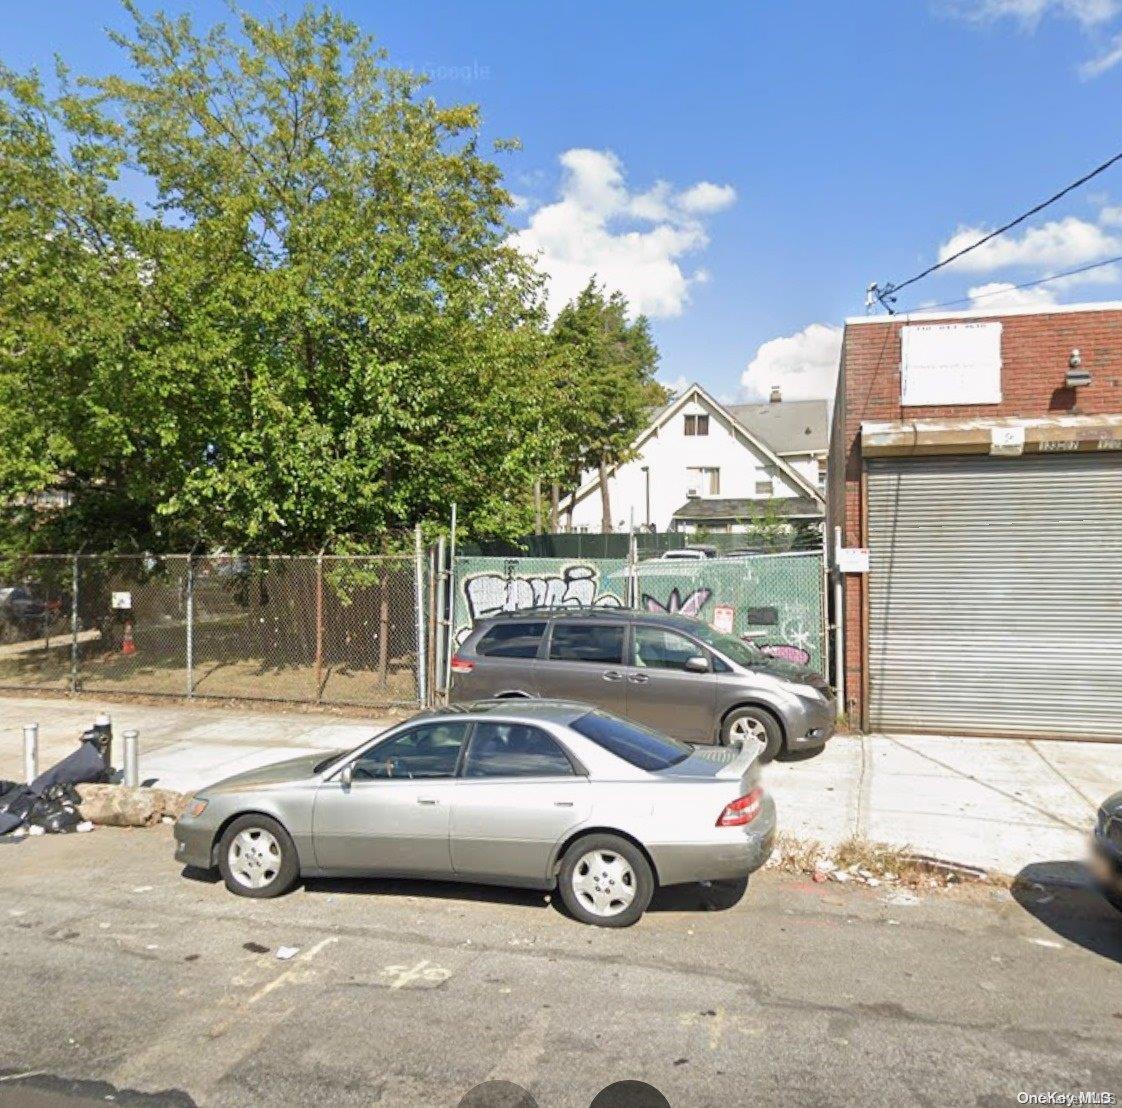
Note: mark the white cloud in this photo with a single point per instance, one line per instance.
(706, 197)
(634, 242)
(1088, 13)
(804, 365)
(1059, 244)
(1003, 294)
(1096, 67)
(678, 385)
(1091, 15)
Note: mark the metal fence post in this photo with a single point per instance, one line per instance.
(74, 627)
(319, 626)
(131, 774)
(31, 752)
(449, 642)
(419, 582)
(443, 618)
(190, 626)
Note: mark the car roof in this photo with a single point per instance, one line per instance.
(552, 711)
(536, 615)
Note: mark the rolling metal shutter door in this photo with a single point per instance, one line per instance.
(995, 594)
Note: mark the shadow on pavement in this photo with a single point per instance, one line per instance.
(676, 898)
(1063, 897)
(799, 755)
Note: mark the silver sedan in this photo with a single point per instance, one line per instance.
(535, 793)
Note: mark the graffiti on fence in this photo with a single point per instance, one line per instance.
(573, 586)
(690, 606)
(786, 652)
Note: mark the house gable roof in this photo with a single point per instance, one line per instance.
(787, 426)
(696, 392)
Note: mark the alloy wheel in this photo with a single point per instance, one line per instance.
(254, 858)
(604, 882)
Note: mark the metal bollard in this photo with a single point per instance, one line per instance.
(132, 758)
(31, 752)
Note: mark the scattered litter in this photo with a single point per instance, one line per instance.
(893, 923)
(35, 829)
(17, 911)
(680, 1061)
(841, 876)
(143, 889)
(1048, 943)
(84, 826)
(255, 948)
(191, 958)
(152, 946)
(167, 819)
(872, 882)
(902, 899)
(286, 952)
(104, 926)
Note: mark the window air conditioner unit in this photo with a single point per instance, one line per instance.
(693, 492)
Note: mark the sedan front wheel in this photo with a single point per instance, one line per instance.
(606, 881)
(257, 858)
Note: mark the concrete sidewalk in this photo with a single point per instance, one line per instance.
(996, 803)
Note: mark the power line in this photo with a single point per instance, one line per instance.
(886, 295)
(1015, 288)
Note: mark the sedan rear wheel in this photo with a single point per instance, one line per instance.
(257, 858)
(606, 881)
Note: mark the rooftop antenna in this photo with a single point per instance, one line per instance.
(874, 295)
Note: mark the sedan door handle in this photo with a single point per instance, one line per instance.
(612, 675)
(638, 679)
(562, 804)
(426, 800)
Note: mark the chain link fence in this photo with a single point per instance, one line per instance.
(774, 600)
(333, 630)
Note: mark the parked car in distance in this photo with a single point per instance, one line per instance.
(665, 671)
(540, 794)
(688, 554)
(24, 612)
(1106, 846)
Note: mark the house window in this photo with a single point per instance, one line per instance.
(705, 479)
(697, 425)
(765, 487)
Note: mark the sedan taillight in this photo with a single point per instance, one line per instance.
(461, 665)
(742, 810)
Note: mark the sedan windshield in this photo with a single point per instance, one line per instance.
(744, 654)
(638, 745)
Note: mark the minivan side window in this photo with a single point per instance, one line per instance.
(659, 648)
(511, 640)
(587, 642)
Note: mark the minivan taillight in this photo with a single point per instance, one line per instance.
(742, 810)
(461, 665)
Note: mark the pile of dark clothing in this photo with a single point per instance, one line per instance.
(50, 803)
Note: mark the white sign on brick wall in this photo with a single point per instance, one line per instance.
(950, 363)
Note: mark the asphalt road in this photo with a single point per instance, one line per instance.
(123, 979)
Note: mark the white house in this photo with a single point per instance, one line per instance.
(701, 465)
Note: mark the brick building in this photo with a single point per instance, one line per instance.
(978, 457)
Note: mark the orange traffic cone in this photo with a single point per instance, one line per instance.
(128, 644)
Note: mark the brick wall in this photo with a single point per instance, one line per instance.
(1034, 350)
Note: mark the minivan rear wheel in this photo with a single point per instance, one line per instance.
(747, 723)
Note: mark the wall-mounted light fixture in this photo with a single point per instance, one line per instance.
(1076, 376)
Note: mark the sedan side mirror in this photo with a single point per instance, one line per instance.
(698, 664)
(347, 775)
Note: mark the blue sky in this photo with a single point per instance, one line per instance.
(744, 170)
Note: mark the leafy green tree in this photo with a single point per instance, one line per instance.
(606, 372)
(318, 336)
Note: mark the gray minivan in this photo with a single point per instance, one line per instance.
(670, 672)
